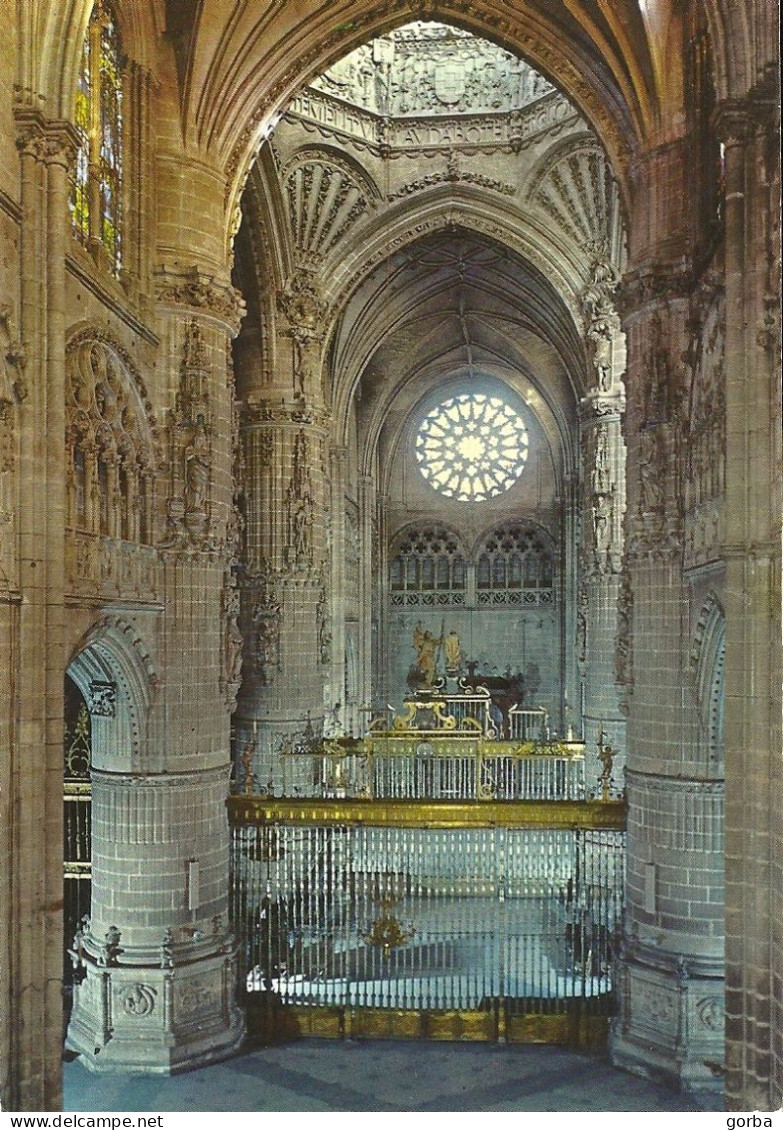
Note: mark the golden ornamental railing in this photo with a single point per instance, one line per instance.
(422, 764)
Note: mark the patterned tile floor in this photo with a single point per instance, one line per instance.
(378, 1076)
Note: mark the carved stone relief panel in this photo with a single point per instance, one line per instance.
(433, 69)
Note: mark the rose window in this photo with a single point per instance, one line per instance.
(472, 447)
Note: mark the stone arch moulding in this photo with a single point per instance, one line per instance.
(474, 210)
(51, 48)
(707, 664)
(113, 669)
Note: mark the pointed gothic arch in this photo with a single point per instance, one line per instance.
(117, 678)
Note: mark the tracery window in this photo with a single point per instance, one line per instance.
(96, 178)
(428, 568)
(515, 566)
(472, 447)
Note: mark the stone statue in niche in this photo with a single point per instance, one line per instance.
(581, 627)
(266, 621)
(657, 390)
(232, 643)
(602, 473)
(651, 486)
(600, 335)
(300, 506)
(324, 628)
(304, 366)
(191, 450)
(196, 457)
(603, 510)
(622, 653)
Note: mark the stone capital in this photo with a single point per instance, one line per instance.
(50, 142)
(203, 293)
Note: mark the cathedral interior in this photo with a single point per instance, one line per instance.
(390, 515)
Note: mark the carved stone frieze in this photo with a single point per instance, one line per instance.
(647, 285)
(322, 115)
(103, 699)
(283, 415)
(710, 1011)
(450, 177)
(197, 997)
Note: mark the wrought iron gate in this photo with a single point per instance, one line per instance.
(443, 920)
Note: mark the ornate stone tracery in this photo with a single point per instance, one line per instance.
(111, 441)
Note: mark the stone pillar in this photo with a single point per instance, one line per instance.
(287, 576)
(754, 776)
(603, 510)
(671, 965)
(337, 603)
(672, 1015)
(32, 793)
(367, 598)
(157, 960)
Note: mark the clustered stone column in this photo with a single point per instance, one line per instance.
(287, 620)
(31, 814)
(670, 973)
(603, 510)
(155, 963)
(754, 775)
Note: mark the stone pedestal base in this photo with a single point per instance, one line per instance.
(670, 1026)
(156, 1020)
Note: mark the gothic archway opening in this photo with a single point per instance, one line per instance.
(77, 831)
(443, 230)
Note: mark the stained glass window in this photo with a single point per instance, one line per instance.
(96, 180)
(472, 447)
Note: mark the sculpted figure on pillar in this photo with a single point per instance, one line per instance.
(300, 506)
(602, 321)
(191, 448)
(305, 312)
(265, 617)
